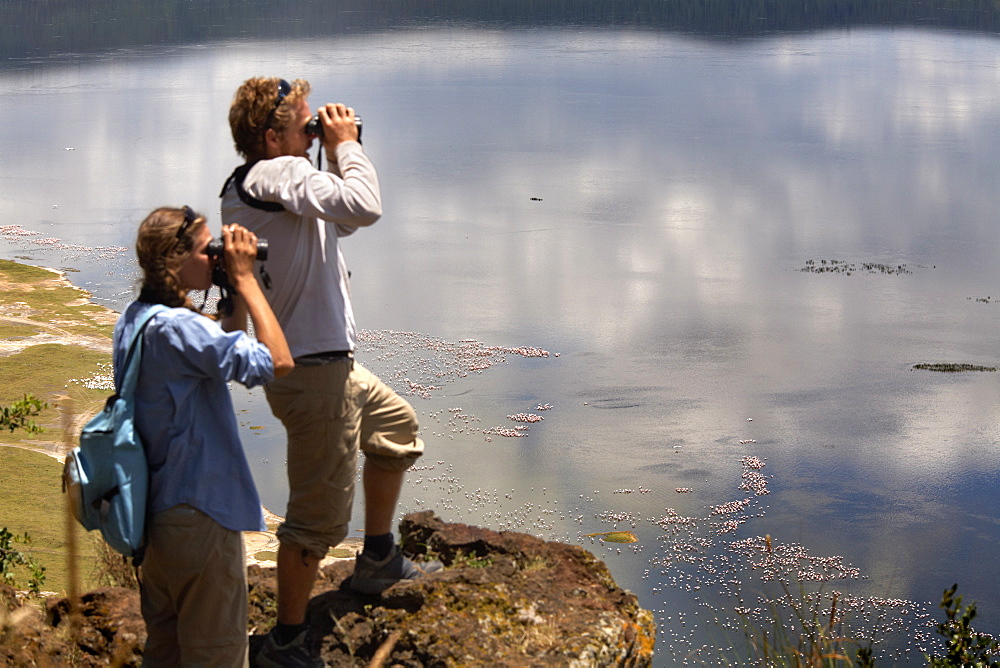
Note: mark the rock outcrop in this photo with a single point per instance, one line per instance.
(503, 599)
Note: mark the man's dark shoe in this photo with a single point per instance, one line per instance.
(373, 577)
(296, 654)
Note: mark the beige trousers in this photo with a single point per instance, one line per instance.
(194, 592)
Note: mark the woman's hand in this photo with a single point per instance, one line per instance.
(240, 253)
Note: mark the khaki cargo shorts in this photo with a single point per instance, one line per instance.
(330, 412)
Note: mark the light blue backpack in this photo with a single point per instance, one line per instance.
(106, 477)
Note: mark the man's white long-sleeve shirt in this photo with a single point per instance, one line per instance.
(310, 292)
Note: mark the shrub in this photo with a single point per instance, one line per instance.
(11, 558)
(16, 416)
(964, 646)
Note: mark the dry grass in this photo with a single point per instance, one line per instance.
(805, 632)
(112, 569)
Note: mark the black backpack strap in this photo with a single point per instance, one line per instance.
(236, 178)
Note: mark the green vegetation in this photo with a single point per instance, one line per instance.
(47, 371)
(44, 298)
(16, 416)
(12, 559)
(614, 536)
(965, 647)
(338, 552)
(39, 403)
(813, 635)
(471, 560)
(31, 501)
(17, 331)
(22, 273)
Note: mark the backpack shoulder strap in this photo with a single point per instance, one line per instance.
(131, 370)
(236, 178)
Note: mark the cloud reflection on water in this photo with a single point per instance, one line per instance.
(642, 203)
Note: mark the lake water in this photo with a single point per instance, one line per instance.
(625, 273)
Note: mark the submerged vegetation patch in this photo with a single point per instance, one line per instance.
(848, 268)
(953, 368)
(614, 536)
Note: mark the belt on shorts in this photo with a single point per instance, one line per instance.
(319, 359)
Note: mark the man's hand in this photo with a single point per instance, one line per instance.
(338, 125)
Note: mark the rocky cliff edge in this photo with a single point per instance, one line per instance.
(503, 599)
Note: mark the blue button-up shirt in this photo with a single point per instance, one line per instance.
(185, 416)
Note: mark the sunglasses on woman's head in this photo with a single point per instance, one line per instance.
(189, 217)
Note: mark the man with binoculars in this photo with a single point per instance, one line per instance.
(331, 406)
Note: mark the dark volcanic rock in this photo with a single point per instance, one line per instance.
(107, 630)
(503, 599)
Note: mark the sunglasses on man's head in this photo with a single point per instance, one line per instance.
(284, 88)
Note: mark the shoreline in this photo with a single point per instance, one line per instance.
(57, 329)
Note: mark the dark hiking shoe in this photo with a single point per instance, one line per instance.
(296, 654)
(373, 577)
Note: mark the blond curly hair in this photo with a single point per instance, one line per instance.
(255, 108)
